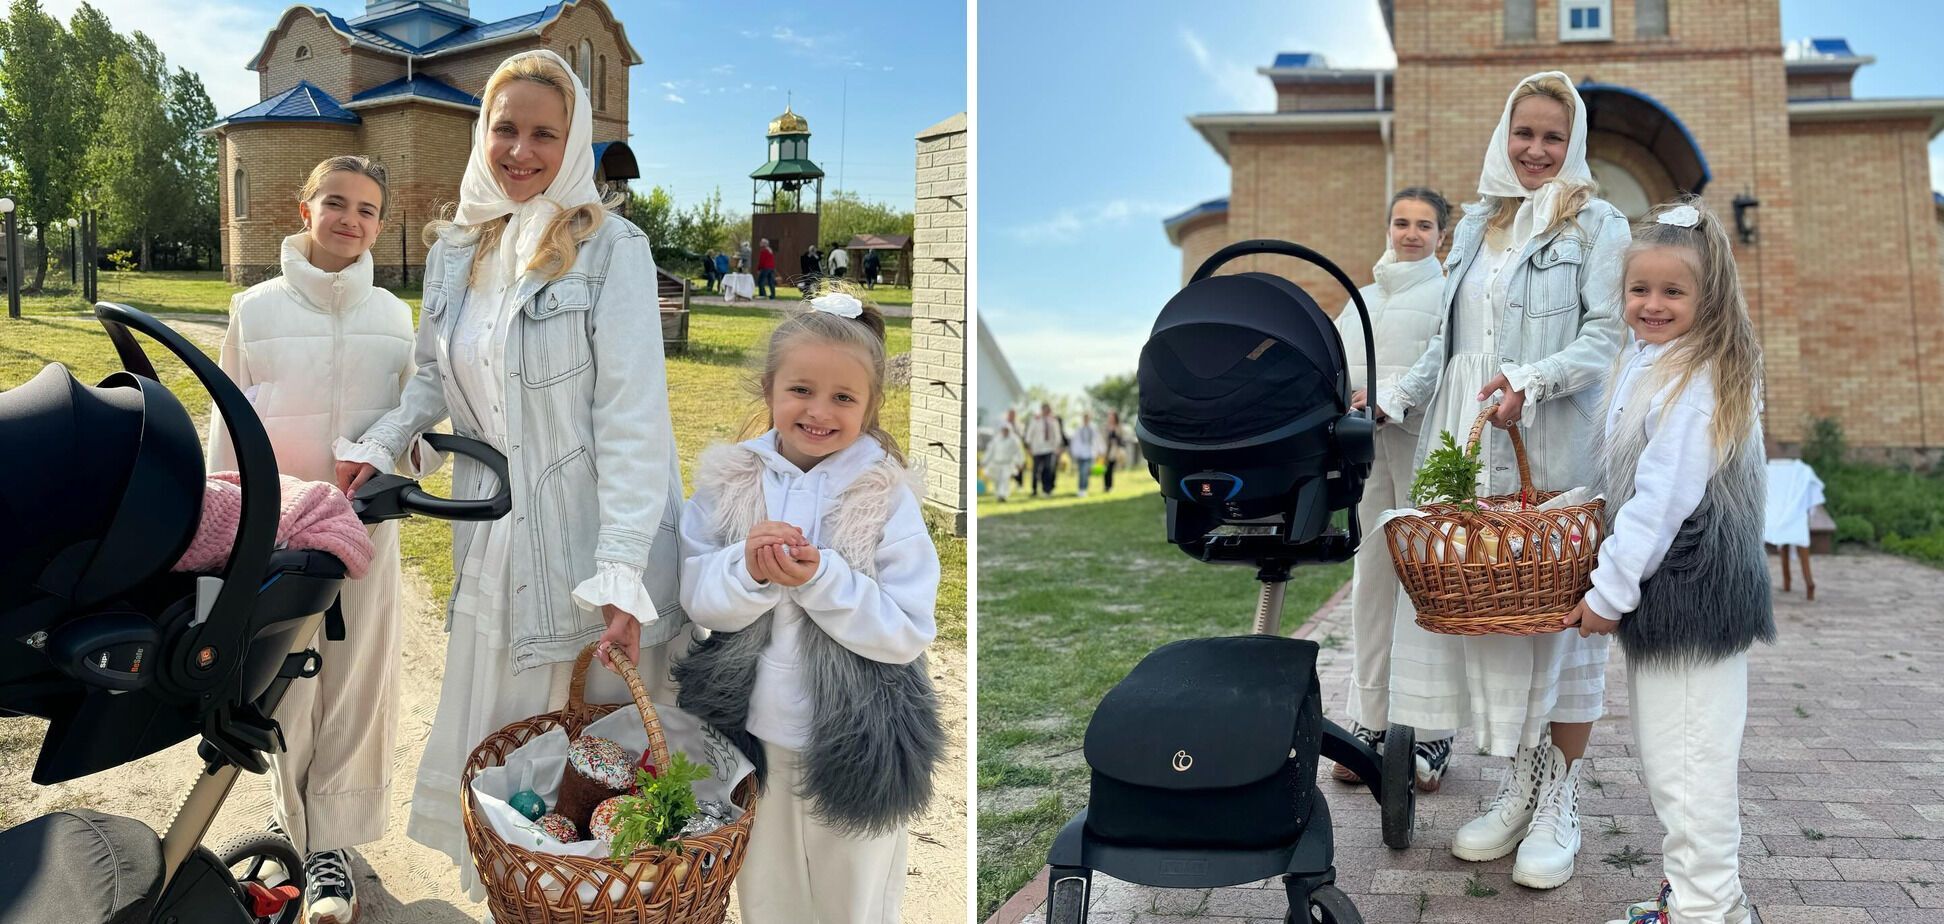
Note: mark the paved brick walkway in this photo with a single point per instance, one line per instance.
(1842, 787)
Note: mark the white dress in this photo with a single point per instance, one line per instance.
(1506, 687)
(481, 693)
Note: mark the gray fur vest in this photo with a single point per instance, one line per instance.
(1709, 599)
(874, 734)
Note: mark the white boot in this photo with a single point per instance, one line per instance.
(1497, 832)
(1546, 855)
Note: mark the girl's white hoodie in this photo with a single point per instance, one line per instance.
(887, 618)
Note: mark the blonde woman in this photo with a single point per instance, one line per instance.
(1531, 320)
(540, 335)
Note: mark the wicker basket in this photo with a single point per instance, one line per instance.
(1507, 570)
(653, 886)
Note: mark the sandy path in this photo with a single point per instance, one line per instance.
(402, 882)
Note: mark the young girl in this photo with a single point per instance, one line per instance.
(1405, 313)
(321, 353)
(804, 550)
(1682, 575)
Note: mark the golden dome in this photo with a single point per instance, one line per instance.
(789, 122)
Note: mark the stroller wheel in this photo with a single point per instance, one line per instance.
(1399, 796)
(269, 876)
(1066, 899)
(1328, 905)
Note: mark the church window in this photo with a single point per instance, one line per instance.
(1521, 20)
(240, 195)
(1650, 19)
(583, 62)
(303, 52)
(600, 83)
(1585, 20)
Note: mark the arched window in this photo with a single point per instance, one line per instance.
(303, 51)
(584, 62)
(600, 83)
(573, 59)
(240, 194)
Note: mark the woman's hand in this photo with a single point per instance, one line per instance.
(1589, 622)
(352, 475)
(793, 571)
(622, 630)
(1510, 407)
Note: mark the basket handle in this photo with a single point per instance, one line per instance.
(577, 697)
(1526, 490)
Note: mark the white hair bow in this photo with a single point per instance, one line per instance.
(1685, 216)
(839, 304)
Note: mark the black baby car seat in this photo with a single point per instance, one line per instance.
(101, 492)
(1204, 758)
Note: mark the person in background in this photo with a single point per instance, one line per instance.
(810, 268)
(1084, 445)
(1116, 443)
(1012, 420)
(1044, 441)
(722, 267)
(709, 275)
(871, 267)
(1003, 459)
(766, 270)
(839, 260)
(746, 265)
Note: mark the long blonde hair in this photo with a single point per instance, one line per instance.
(1500, 210)
(1722, 340)
(568, 230)
(864, 333)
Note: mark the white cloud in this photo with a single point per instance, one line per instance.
(668, 84)
(213, 39)
(1069, 223)
(789, 36)
(723, 69)
(1235, 78)
(674, 99)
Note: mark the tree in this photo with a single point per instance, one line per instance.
(190, 111)
(1119, 393)
(707, 225)
(846, 215)
(133, 160)
(42, 133)
(1066, 407)
(654, 214)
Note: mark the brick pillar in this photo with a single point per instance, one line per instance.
(938, 380)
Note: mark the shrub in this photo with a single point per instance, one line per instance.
(1851, 527)
(1926, 548)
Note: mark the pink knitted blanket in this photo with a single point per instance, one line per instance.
(315, 515)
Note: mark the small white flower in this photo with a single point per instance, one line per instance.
(1686, 216)
(839, 304)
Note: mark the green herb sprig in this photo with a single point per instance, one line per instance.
(665, 804)
(1449, 475)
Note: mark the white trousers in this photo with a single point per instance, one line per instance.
(330, 786)
(801, 872)
(1687, 733)
(1374, 588)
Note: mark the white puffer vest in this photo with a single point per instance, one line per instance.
(321, 356)
(1405, 312)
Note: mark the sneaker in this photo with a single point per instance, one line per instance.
(1432, 759)
(1498, 831)
(1657, 911)
(329, 897)
(1372, 737)
(1546, 855)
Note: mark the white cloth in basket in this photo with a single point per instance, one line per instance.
(547, 755)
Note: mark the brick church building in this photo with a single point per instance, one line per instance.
(1831, 195)
(401, 84)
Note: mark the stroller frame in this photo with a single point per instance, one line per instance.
(1307, 866)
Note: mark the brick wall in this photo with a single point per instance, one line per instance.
(1328, 97)
(1324, 191)
(938, 318)
(329, 65)
(1819, 86)
(1873, 311)
(424, 149)
(1200, 238)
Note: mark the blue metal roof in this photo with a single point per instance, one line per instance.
(301, 103)
(420, 87)
(1211, 207)
(1299, 59)
(1938, 197)
(1837, 47)
(495, 30)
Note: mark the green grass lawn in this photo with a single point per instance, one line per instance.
(1072, 592)
(707, 386)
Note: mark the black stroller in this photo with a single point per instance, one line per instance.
(124, 658)
(1204, 758)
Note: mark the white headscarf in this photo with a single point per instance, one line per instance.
(481, 199)
(1498, 178)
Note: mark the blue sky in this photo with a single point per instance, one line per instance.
(869, 75)
(1085, 145)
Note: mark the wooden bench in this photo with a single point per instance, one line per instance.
(672, 292)
(1822, 540)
